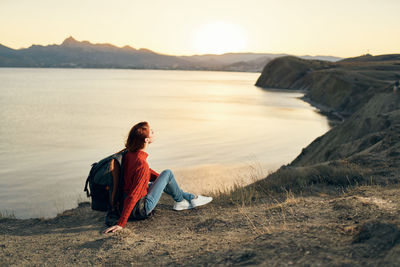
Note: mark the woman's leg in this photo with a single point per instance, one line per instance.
(165, 182)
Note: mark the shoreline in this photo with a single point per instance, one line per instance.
(331, 114)
(109, 68)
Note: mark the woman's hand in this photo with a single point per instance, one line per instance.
(112, 229)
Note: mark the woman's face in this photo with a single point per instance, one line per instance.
(151, 136)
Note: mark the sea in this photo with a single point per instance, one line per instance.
(212, 129)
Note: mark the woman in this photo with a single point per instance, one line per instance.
(139, 198)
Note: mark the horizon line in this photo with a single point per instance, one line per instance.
(177, 55)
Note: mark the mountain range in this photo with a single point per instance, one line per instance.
(83, 54)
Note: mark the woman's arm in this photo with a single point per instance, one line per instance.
(112, 229)
(114, 168)
(141, 181)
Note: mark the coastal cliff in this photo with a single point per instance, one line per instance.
(340, 87)
(370, 138)
(360, 89)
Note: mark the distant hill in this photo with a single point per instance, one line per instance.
(75, 54)
(72, 53)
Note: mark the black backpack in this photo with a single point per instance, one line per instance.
(106, 177)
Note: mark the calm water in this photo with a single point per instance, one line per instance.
(212, 129)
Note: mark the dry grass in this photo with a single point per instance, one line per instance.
(281, 194)
(285, 183)
(297, 179)
(6, 214)
(241, 194)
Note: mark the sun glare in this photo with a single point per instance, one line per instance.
(219, 38)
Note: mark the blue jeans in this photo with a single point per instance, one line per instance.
(165, 182)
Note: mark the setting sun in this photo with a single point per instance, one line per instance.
(219, 38)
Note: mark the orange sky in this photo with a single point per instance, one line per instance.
(314, 27)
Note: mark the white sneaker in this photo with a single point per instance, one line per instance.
(200, 201)
(182, 205)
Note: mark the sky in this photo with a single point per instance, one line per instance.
(343, 28)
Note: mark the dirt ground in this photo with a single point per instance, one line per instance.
(360, 227)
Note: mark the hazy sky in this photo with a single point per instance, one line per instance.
(185, 27)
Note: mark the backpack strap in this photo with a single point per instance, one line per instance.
(119, 198)
(86, 189)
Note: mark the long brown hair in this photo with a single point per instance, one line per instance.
(137, 135)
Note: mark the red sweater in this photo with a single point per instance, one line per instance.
(137, 175)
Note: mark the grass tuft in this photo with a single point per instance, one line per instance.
(288, 181)
(6, 214)
(296, 179)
